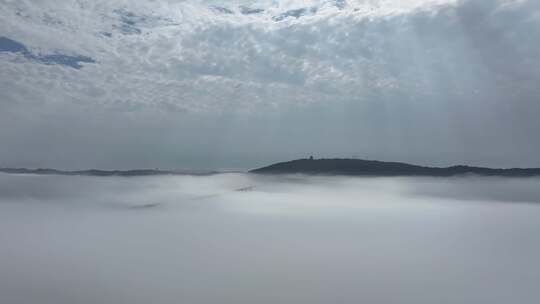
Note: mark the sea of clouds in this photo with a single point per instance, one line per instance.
(242, 238)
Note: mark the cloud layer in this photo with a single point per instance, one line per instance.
(304, 240)
(426, 81)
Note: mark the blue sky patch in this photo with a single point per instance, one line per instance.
(74, 61)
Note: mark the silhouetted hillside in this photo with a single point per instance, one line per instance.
(354, 167)
(360, 167)
(94, 172)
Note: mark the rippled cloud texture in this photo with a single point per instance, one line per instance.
(217, 84)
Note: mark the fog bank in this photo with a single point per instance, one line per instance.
(241, 238)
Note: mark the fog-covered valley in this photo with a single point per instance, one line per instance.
(245, 238)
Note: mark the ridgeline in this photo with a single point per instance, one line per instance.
(359, 167)
(95, 172)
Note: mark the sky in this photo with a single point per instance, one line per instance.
(238, 84)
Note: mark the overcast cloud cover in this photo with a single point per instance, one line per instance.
(237, 84)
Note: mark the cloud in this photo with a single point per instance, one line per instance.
(198, 239)
(461, 74)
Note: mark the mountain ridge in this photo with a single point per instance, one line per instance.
(360, 167)
(97, 172)
(328, 166)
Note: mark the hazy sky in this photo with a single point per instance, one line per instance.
(238, 84)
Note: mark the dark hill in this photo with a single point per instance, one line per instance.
(358, 167)
(95, 172)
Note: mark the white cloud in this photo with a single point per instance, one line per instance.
(401, 63)
(183, 50)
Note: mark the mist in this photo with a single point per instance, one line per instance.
(243, 238)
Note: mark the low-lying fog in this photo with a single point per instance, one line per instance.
(240, 238)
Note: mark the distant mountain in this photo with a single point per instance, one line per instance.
(338, 166)
(94, 172)
(359, 167)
